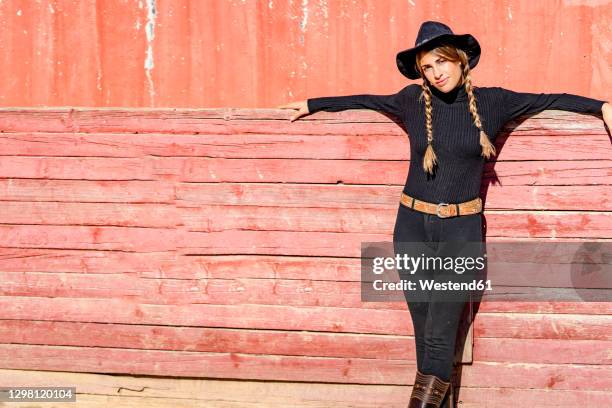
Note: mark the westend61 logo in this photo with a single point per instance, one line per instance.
(487, 271)
(430, 284)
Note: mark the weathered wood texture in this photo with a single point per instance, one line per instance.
(99, 390)
(225, 243)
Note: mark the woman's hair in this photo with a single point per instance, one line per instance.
(452, 54)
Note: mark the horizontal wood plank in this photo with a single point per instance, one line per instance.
(351, 196)
(234, 120)
(290, 368)
(95, 191)
(102, 390)
(102, 214)
(215, 218)
(388, 143)
(277, 170)
(288, 195)
(549, 351)
(228, 242)
(217, 340)
(519, 223)
(272, 342)
(310, 318)
(277, 291)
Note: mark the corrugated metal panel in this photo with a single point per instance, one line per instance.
(253, 53)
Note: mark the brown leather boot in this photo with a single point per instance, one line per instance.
(427, 391)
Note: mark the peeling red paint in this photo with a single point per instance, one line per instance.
(145, 53)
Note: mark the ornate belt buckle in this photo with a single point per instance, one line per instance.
(438, 210)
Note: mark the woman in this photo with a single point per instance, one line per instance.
(452, 127)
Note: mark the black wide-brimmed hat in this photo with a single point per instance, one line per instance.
(431, 34)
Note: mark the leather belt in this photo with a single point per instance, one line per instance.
(443, 210)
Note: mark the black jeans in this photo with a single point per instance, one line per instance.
(435, 321)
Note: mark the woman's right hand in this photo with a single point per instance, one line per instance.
(301, 106)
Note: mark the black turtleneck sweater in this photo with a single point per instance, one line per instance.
(456, 140)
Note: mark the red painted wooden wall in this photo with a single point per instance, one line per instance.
(224, 243)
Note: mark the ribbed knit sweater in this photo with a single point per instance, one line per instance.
(456, 140)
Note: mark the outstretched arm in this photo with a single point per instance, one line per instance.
(516, 104)
(393, 104)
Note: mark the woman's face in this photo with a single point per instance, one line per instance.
(443, 74)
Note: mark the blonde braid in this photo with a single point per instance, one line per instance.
(430, 159)
(487, 147)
